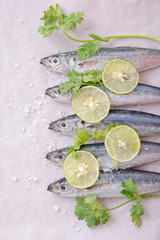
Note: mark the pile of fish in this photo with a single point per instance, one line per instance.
(109, 182)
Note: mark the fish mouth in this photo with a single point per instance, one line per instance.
(44, 61)
(50, 92)
(54, 187)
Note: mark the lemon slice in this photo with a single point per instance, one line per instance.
(122, 143)
(120, 76)
(82, 172)
(91, 104)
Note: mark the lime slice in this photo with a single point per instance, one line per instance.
(120, 76)
(82, 172)
(91, 104)
(122, 143)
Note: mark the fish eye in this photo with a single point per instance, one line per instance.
(60, 156)
(63, 187)
(59, 91)
(64, 125)
(55, 61)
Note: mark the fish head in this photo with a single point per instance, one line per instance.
(62, 62)
(67, 125)
(58, 156)
(63, 188)
(55, 92)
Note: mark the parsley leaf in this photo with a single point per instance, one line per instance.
(91, 209)
(50, 17)
(77, 80)
(99, 135)
(136, 212)
(92, 77)
(111, 126)
(81, 138)
(69, 22)
(130, 188)
(88, 50)
(74, 83)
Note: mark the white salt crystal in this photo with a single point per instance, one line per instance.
(14, 179)
(56, 208)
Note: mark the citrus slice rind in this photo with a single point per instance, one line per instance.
(82, 172)
(120, 76)
(122, 143)
(91, 104)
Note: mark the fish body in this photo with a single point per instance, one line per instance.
(142, 58)
(109, 184)
(142, 94)
(144, 123)
(149, 152)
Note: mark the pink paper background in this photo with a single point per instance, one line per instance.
(27, 210)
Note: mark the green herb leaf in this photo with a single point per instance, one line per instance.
(99, 135)
(74, 83)
(136, 212)
(92, 77)
(69, 22)
(50, 17)
(91, 209)
(87, 50)
(45, 31)
(111, 126)
(130, 188)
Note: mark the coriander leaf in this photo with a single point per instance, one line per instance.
(99, 135)
(45, 31)
(74, 76)
(130, 188)
(76, 89)
(92, 77)
(137, 209)
(50, 17)
(66, 86)
(89, 198)
(52, 12)
(105, 217)
(87, 50)
(69, 22)
(90, 209)
(136, 219)
(111, 126)
(136, 212)
(98, 38)
(74, 83)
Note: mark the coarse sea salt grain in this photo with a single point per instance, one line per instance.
(56, 208)
(14, 179)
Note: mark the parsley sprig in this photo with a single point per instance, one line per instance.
(77, 80)
(54, 20)
(90, 209)
(81, 138)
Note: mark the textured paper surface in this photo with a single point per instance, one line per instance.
(28, 211)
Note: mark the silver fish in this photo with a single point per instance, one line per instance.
(109, 184)
(142, 58)
(142, 94)
(149, 152)
(144, 123)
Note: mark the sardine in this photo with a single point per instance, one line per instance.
(144, 123)
(142, 58)
(149, 152)
(109, 184)
(142, 94)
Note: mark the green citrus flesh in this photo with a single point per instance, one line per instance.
(122, 143)
(82, 172)
(120, 76)
(91, 104)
